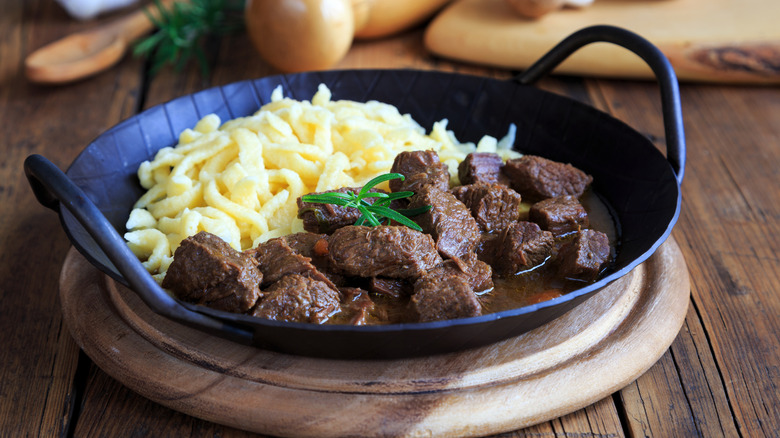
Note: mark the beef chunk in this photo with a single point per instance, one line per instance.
(206, 270)
(559, 215)
(357, 305)
(444, 297)
(449, 221)
(448, 290)
(277, 258)
(420, 168)
(493, 206)
(584, 257)
(480, 167)
(477, 273)
(519, 247)
(298, 299)
(390, 287)
(539, 178)
(326, 218)
(313, 246)
(306, 243)
(489, 248)
(383, 251)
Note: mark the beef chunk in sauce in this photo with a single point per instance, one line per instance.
(420, 168)
(277, 258)
(308, 244)
(298, 299)
(206, 270)
(539, 178)
(449, 221)
(315, 247)
(559, 215)
(493, 206)
(444, 297)
(390, 287)
(585, 256)
(519, 247)
(358, 306)
(477, 273)
(480, 167)
(448, 290)
(326, 218)
(383, 251)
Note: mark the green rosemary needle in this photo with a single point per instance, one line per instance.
(373, 213)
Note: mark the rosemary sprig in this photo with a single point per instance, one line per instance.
(373, 213)
(182, 31)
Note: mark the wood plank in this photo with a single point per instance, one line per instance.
(39, 358)
(597, 420)
(603, 419)
(727, 209)
(139, 416)
(701, 380)
(731, 231)
(655, 403)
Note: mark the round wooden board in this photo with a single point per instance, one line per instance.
(587, 354)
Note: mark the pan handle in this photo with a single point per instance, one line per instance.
(54, 189)
(664, 73)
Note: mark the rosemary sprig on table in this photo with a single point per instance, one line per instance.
(373, 213)
(182, 31)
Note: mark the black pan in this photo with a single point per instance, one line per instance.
(633, 177)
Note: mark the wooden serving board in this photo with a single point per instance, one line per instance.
(576, 360)
(734, 41)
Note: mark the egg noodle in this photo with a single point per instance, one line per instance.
(240, 180)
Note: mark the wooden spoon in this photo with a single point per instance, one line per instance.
(86, 53)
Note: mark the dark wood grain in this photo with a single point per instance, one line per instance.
(729, 199)
(38, 360)
(720, 377)
(701, 380)
(731, 223)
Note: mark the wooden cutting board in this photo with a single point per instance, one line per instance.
(735, 41)
(587, 354)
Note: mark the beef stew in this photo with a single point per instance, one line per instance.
(482, 249)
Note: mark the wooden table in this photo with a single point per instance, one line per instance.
(719, 378)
